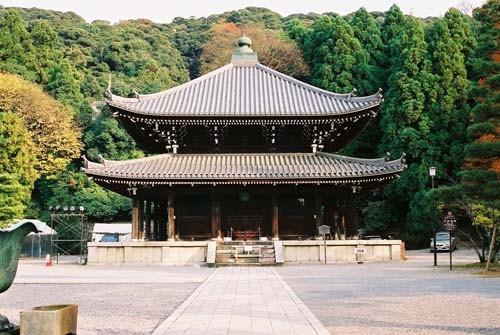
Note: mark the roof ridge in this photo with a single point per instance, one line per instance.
(342, 96)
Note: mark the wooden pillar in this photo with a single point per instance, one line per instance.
(317, 212)
(156, 222)
(274, 200)
(141, 220)
(342, 218)
(216, 230)
(335, 218)
(162, 222)
(135, 218)
(171, 217)
(147, 221)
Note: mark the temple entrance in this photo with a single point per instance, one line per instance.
(244, 216)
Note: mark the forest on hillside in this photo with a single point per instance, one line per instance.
(440, 78)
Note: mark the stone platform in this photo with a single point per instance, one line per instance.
(190, 253)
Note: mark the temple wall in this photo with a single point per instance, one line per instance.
(148, 253)
(313, 252)
(190, 253)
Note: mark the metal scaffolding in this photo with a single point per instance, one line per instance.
(70, 224)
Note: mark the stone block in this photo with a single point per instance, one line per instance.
(303, 254)
(171, 255)
(147, 254)
(50, 320)
(157, 254)
(127, 254)
(92, 255)
(111, 255)
(102, 255)
(120, 255)
(290, 254)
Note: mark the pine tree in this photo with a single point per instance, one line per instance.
(481, 175)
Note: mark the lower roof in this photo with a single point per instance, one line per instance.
(243, 168)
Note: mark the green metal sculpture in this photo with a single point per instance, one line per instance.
(10, 246)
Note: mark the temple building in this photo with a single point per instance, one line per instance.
(243, 152)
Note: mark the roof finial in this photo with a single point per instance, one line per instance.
(244, 54)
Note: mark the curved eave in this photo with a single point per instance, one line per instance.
(268, 116)
(97, 172)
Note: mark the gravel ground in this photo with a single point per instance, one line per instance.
(411, 297)
(112, 301)
(103, 308)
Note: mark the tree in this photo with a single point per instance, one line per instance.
(450, 43)
(106, 137)
(45, 48)
(481, 173)
(50, 124)
(273, 48)
(337, 60)
(404, 120)
(16, 49)
(64, 84)
(17, 175)
(367, 31)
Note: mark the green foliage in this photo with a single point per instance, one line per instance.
(50, 124)
(63, 84)
(481, 175)
(105, 137)
(70, 188)
(17, 174)
(337, 61)
(450, 43)
(16, 49)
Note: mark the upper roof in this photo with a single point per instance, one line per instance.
(235, 168)
(244, 88)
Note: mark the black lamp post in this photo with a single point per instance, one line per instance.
(450, 223)
(432, 173)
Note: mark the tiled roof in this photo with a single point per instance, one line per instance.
(244, 90)
(237, 167)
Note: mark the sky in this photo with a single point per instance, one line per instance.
(164, 11)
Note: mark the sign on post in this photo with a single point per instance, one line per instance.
(360, 251)
(324, 230)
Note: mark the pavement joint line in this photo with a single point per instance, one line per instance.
(169, 322)
(311, 319)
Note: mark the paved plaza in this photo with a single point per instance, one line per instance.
(386, 298)
(239, 300)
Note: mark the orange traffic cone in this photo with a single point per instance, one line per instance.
(48, 260)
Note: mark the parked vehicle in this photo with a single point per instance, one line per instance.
(110, 238)
(443, 242)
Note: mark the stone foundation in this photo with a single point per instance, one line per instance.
(190, 253)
